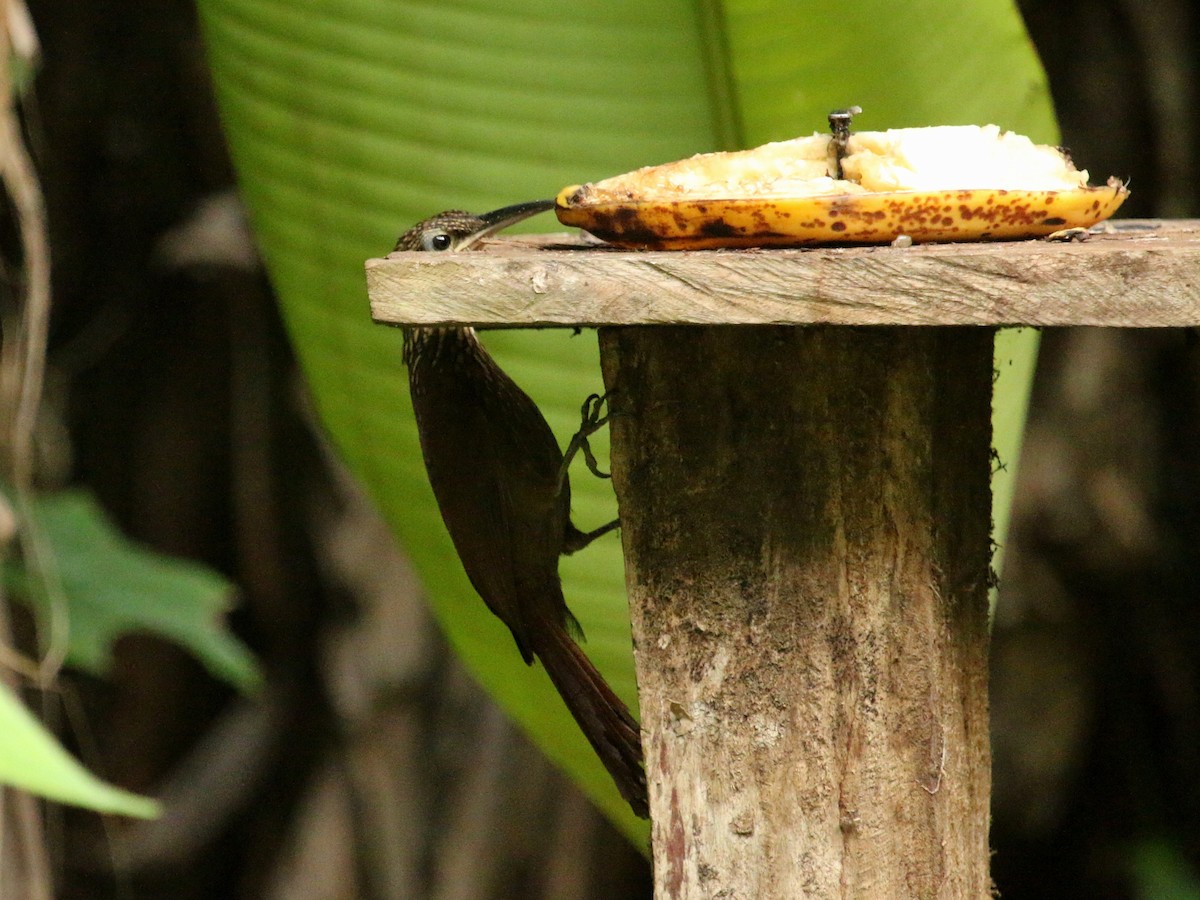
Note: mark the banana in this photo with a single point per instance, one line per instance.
(948, 183)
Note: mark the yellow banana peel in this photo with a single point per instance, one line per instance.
(995, 186)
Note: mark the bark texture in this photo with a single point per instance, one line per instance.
(805, 529)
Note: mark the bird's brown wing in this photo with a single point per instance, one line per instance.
(467, 483)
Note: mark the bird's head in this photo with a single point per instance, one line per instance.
(458, 230)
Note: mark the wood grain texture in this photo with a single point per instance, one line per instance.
(804, 521)
(1137, 274)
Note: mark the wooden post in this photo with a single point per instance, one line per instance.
(805, 516)
(806, 543)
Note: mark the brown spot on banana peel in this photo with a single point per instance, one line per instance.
(870, 218)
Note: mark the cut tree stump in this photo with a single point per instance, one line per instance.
(805, 520)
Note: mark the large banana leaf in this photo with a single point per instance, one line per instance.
(350, 119)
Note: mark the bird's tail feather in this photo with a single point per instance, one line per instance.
(603, 717)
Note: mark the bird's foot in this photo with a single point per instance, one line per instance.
(591, 421)
(576, 540)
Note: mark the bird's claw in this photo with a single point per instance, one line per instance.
(591, 421)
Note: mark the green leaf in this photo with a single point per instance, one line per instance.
(1016, 361)
(113, 587)
(350, 119)
(1160, 871)
(923, 63)
(32, 760)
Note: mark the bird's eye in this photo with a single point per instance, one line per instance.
(438, 240)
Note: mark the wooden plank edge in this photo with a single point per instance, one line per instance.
(1147, 275)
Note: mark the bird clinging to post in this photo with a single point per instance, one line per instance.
(495, 468)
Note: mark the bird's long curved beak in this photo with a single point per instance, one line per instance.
(499, 219)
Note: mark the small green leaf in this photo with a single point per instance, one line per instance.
(113, 587)
(32, 760)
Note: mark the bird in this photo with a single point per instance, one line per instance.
(499, 478)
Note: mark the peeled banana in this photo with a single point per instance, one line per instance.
(948, 183)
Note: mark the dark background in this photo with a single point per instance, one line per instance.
(374, 768)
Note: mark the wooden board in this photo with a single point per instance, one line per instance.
(1133, 273)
